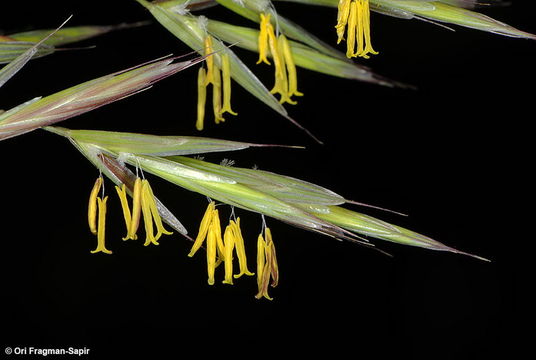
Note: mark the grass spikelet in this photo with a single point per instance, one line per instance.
(87, 96)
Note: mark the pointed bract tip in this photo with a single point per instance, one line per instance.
(470, 255)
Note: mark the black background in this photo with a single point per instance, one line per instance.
(454, 154)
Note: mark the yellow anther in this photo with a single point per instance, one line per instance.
(151, 199)
(203, 228)
(122, 193)
(286, 82)
(211, 253)
(290, 66)
(268, 268)
(266, 264)
(101, 247)
(366, 21)
(342, 18)
(352, 30)
(260, 260)
(147, 218)
(240, 250)
(220, 249)
(221, 88)
(92, 206)
(136, 210)
(354, 16)
(150, 214)
(264, 268)
(360, 38)
(216, 226)
(229, 244)
(209, 60)
(281, 81)
(201, 98)
(274, 273)
(265, 28)
(216, 95)
(226, 83)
